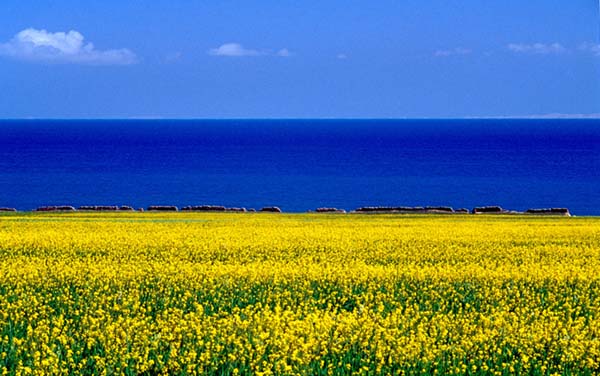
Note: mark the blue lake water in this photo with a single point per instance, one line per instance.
(302, 164)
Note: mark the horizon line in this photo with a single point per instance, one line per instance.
(536, 117)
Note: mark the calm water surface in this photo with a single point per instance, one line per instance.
(302, 164)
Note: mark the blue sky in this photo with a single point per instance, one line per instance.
(288, 59)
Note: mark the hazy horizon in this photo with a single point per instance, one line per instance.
(532, 117)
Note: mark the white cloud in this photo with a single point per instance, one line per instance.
(284, 52)
(237, 50)
(342, 56)
(591, 47)
(454, 51)
(70, 47)
(232, 49)
(537, 48)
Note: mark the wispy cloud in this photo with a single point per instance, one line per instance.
(590, 47)
(62, 47)
(284, 52)
(557, 115)
(568, 116)
(537, 48)
(237, 50)
(232, 49)
(342, 56)
(453, 52)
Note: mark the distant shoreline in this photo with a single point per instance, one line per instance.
(369, 210)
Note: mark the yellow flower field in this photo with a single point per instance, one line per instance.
(309, 294)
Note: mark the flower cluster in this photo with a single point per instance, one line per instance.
(264, 294)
